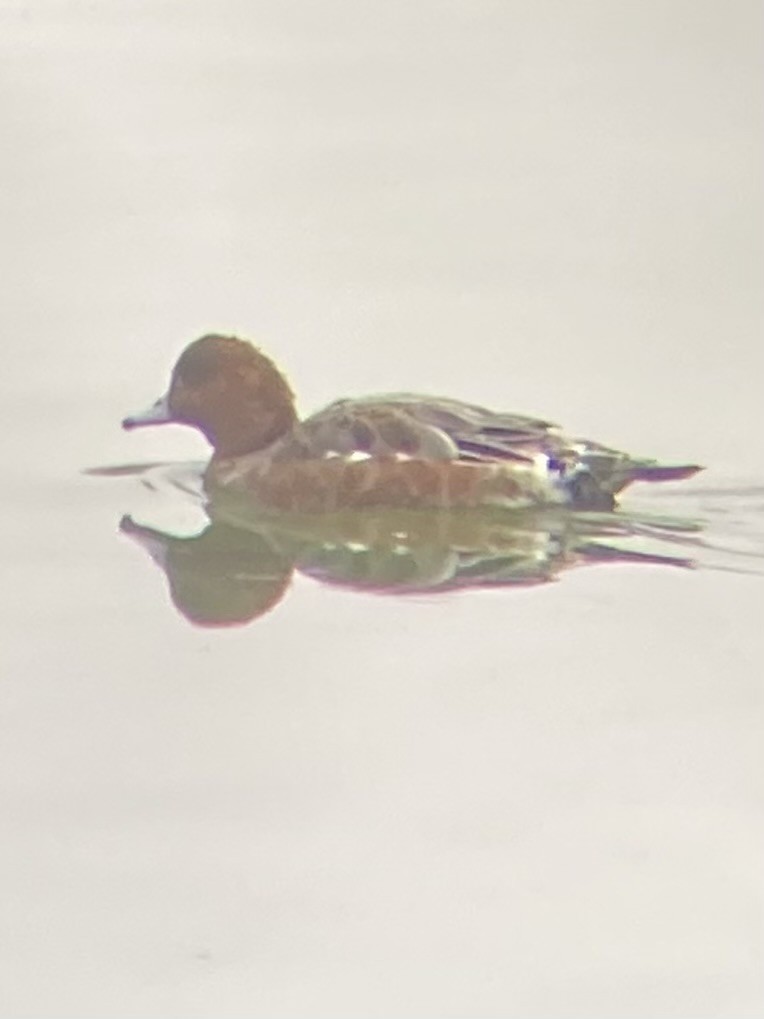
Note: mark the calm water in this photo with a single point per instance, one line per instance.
(523, 799)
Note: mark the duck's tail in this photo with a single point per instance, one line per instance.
(660, 472)
(601, 478)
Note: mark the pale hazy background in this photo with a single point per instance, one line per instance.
(542, 805)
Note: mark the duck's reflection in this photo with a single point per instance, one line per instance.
(240, 567)
(222, 577)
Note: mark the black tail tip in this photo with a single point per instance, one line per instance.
(656, 472)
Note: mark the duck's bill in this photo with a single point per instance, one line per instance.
(154, 542)
(157, 414)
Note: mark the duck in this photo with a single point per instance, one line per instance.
(395, 450)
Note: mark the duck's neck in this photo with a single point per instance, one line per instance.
(248, 436)
(246, 424)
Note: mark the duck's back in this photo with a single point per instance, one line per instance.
(411, 425)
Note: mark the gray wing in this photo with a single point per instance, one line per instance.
(430, 427)
(482, 434)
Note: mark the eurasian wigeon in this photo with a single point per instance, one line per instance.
(397, 450)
